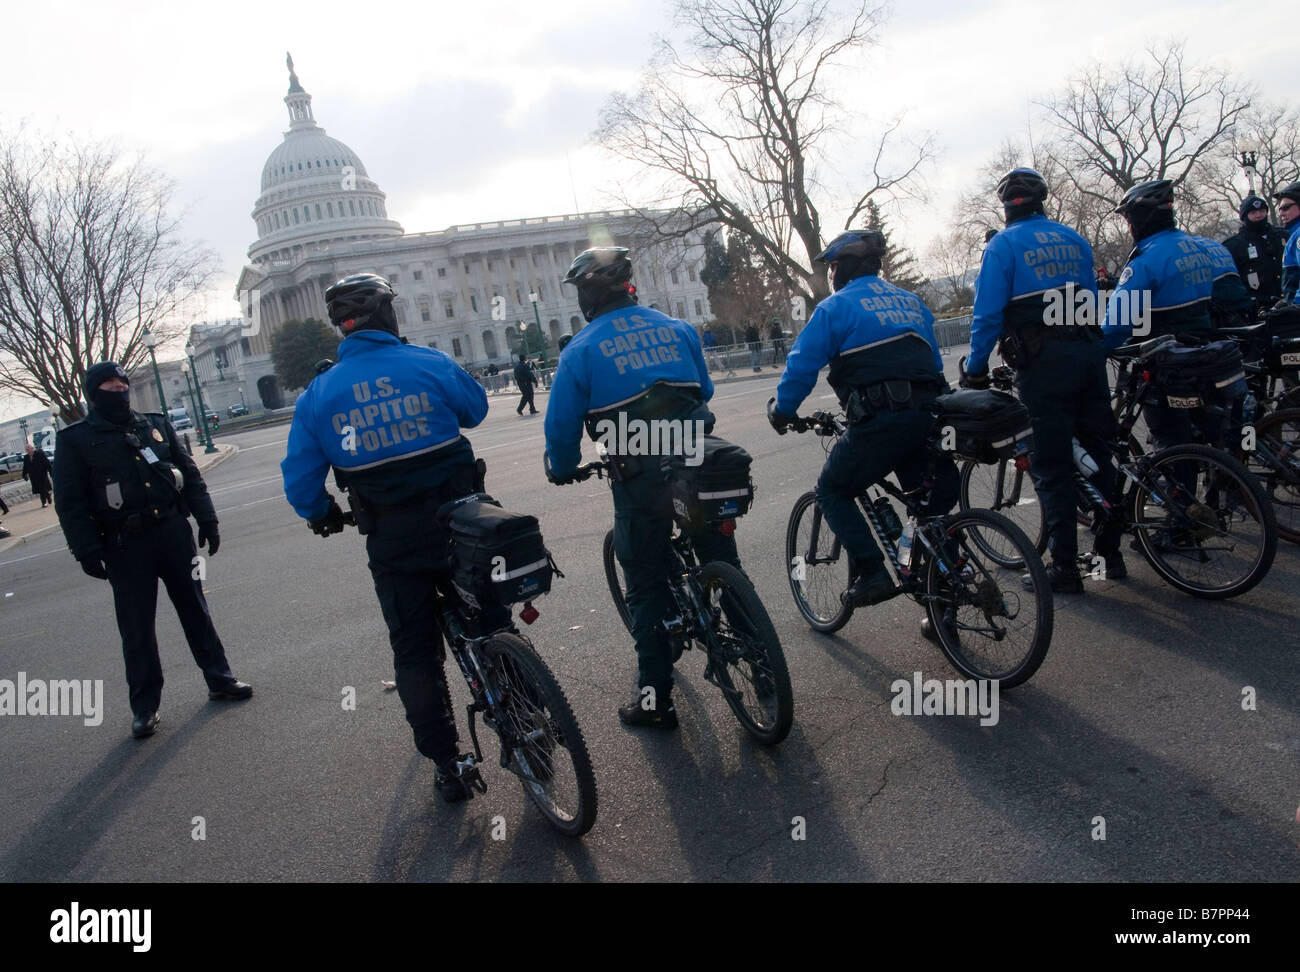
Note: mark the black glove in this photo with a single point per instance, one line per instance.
(94, 566)
(208, 534)
(778, 421)
(978, 381)
(331, 522)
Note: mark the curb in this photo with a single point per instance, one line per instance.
(227, 452)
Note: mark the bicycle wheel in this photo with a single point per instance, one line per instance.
(1203, 522)
(541, 742)
(1275, 462)
(617, 584)
(989, 627)
(745, 656)
(1004, 489)
(817, 567)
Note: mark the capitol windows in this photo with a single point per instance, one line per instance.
(295, 217)
(448, 308)
(455, 348)
(442, 272)
(352, 207)
(699, 310)
(690, 273)
(681, 310)
(425, 317)
(306, 214)
(318, 215)
(329, 208)
(673, 276)
(489, 344)
(473, 302)
(419, 274)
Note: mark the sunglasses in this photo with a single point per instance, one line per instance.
(1285, 206)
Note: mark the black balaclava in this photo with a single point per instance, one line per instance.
(115, 407)
(1152, 222)
(1249, 205)
(850, 268)
(1014, 212)
(593, 305)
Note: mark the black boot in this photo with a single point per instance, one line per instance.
(661, 715)
(871, 586)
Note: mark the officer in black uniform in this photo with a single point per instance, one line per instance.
(123, 487)
(526, 379)
(387, 417)
(1257, 251)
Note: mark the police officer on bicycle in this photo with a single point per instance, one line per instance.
(633, 365)
(886, 371)
(387, 418)
(1189, 285)
(1036, 299)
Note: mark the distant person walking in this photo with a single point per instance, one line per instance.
(755, 346)
(526, 379)
(36, 470)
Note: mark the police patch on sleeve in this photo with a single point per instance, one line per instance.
(158, 436)
(1126, 276)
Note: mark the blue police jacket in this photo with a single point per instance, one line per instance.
(388, 413)
(611, 362)
(1291, 263)
(1173, 276)
(1021, 267)
(868, 331)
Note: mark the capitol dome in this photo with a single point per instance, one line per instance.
(315, 191)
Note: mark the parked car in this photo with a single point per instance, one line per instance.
(12, 462)
(180, 419)
(237, 410)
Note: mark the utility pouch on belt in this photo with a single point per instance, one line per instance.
(1021, 347)
(364, 516)
(623, 468)
(899, 392)
(855, 410)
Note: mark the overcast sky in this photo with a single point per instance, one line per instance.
(466, 113)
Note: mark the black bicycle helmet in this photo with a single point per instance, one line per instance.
(1021, 186)
(853, 244)
(360, 302)
(601, 276)
(1291, 192)
(1147, 197)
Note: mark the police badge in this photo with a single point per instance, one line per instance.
(157, 436)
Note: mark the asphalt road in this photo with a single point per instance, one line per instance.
(1136, 717)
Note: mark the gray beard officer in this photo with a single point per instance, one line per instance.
(123, 487)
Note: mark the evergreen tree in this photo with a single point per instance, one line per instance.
(298, 346)
(898, 266)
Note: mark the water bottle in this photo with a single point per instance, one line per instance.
(1248, 407)
(1082, 461)
(890, 524)
(905, 543)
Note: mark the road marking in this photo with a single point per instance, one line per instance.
(263, 445)
(244, 485)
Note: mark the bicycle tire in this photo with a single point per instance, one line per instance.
(1188, 526)
(614, 578)
(1027, 511)
(748, 659)
(978, 592)
(829, 613)
(542, 719)
(1280, 473)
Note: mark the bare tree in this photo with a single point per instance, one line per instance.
(734, 126)
(1272, 132)
(89, 258)
(1159, 118)
(949, 260)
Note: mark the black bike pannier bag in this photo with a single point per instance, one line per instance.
(987, 425)
(1284, 357)
(498, 557)
(719, 488)
(1189, 377)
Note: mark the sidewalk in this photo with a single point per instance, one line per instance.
(27, 521)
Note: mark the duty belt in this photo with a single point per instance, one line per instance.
(136, 523)
(1071, 333)
(896, 395)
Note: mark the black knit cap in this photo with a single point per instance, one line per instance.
(97, 374)
(1249, 205)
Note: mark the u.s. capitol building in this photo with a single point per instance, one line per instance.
(476, 292)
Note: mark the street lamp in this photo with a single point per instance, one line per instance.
(198, 388)
(532, 295)
(1247, 156)
(54, 415)
(151, 342)
(523, 336)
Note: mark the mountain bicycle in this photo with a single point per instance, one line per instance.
(521, 701)
(988, 626)
(1196, 514)
(719, 612)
